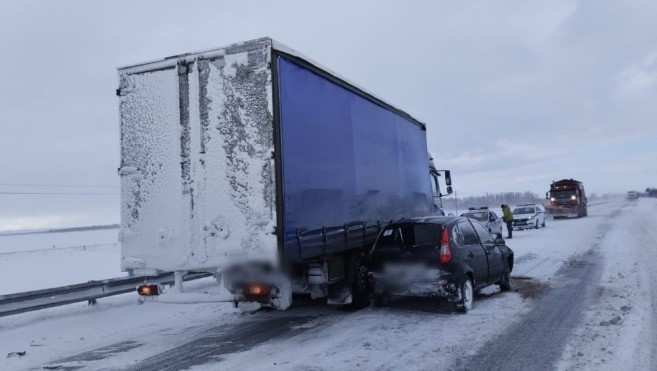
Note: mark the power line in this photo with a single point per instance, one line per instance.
(56, 194)
(58, 185)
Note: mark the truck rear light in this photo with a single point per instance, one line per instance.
(148, 290)
(256, 290)
(445, 250)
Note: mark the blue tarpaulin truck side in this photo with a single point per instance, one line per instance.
(256, 164)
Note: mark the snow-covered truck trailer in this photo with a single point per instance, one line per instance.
(256, 164)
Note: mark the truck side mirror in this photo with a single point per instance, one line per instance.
(449, 190)
(448, 180)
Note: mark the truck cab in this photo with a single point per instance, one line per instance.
(567, 198)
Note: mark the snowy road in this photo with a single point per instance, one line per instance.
(585, 300)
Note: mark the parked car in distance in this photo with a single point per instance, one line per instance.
(632, 195)
(444, 257)
(486, 217)
(651, 192)
(528, 216)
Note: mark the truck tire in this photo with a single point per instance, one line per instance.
(360, 283)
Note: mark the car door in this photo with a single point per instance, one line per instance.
(493, 253)
(475, 255)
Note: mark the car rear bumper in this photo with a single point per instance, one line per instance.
(430, 283)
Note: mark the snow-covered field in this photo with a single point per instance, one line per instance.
(410, 334)
(43, 260)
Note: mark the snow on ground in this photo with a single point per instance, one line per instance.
(403, 337)
(407, 336)
(410, 334)
(40, 241)
(51, 334)
(618, 331)
(43, 260)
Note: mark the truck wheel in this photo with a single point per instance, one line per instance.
(381, 300)
(466, 297)
(360, 285)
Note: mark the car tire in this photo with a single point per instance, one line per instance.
(505, 282)
(466, 297)
(544, 223)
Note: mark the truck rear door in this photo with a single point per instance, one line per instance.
(151, 200)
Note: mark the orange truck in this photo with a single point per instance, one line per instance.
(567, 199)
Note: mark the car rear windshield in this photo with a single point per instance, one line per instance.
(426, 234)
(415, 234)
(524, 210)
(481, 216)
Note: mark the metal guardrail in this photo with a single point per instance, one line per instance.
(89, 291)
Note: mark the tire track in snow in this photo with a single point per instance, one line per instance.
(538, 340)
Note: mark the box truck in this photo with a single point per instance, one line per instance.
(256, 164)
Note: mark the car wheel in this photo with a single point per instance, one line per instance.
(536, 226)
(505, 282)
(544, 223)
(466, 297)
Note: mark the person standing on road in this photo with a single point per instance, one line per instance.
(507, 216)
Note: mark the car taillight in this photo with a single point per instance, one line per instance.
(445, 250)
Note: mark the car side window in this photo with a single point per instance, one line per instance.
(469, 236)
(484, 236)
(493, 216)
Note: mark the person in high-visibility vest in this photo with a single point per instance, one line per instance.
(507, 216)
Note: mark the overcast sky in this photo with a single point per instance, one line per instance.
(514, 94)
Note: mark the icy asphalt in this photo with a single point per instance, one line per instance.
(584, 300)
